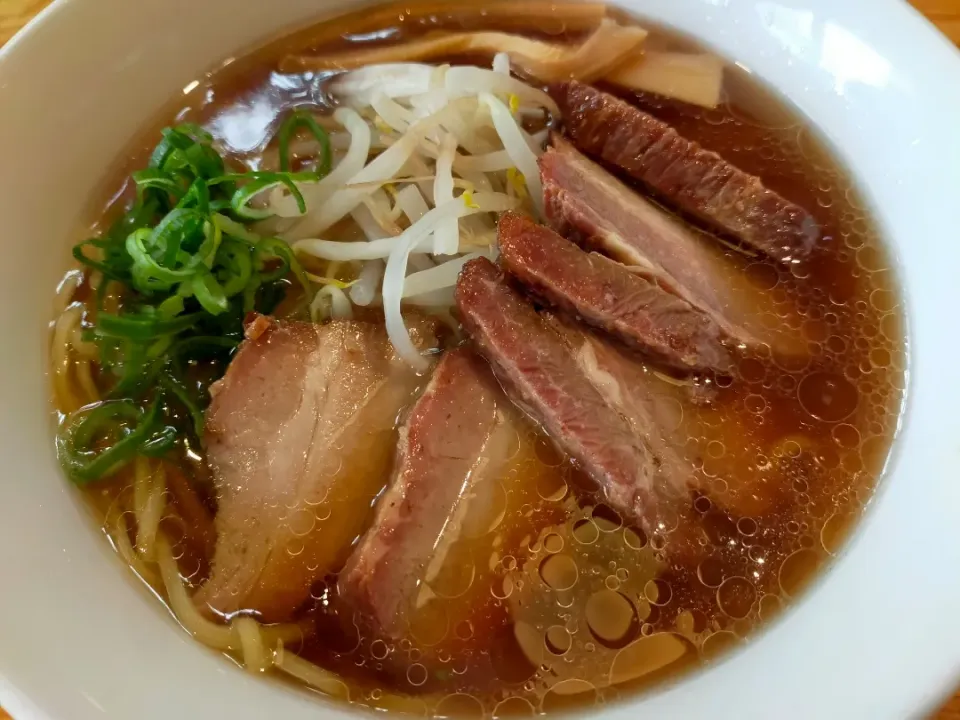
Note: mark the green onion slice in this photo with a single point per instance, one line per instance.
(302, 119)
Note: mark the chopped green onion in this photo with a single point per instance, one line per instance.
(189, 267)
(153, 179)
(143, 327)
(176, 388)
(199, 346)
(213, 236)
(258, 182)
(237, 267)
(210, 293)
(197, 196)
(235, 229)
(301, 119)
(124, 429)
(184, 148)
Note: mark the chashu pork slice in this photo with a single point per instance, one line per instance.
(696, 181)
(299, 436)
(610, 297)
(453, 447)
(653, 407)
(571, 397)
(587, 204)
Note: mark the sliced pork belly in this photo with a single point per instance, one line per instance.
(588, 204)
(298, 436)
(608, 296)
(696, 181)
(537, 369)
(451, 449)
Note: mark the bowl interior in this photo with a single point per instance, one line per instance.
(879, 634)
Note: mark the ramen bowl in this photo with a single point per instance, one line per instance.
(877, 635)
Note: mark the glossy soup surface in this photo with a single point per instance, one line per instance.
(549, 599)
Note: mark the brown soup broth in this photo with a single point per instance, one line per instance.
(555, 602)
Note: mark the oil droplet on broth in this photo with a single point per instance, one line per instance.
(586, 532)
(846, 436)
(611, 618)
(464, 630)
(558, 697)
(736, 597)
(607, 519)
(547, 453)
(716, 449)
(770, 607)
(634, 538)
(649, 655)
(797, 571)
(513, 707)
(553, 543)
(459, 705)
(827, 396)
(658, 592)
(644, 609)
(559, 572)
(836, 530)
(751, 370)
(710, 571)
(791, 446)
(884, 300)
(558, 640)
(747, 526)
(552, 486)
(302, 522)
(378, 650)
(891, 326)
(719, 644)
(502, 588)
(763, 276)
(416, 674)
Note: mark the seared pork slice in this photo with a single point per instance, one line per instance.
(680, 421)
(299, 437)
(652, 406)
(539, 373)
(608, 296)
(452, 445)
(696, 181)
(586, 203)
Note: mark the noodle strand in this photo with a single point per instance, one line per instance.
(153, 484)
(255, 657)
(310, 674)
(121, 541)
(69, 319)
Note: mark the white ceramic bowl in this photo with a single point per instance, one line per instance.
(878, 636)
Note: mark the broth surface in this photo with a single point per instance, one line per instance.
(551, 601)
